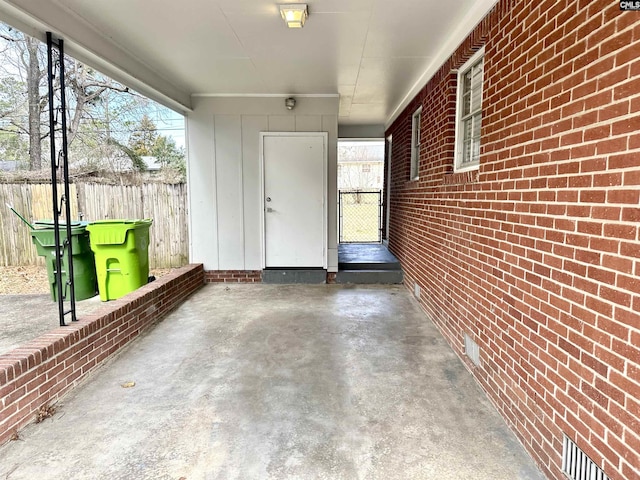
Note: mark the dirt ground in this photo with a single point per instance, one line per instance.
(23, 280)
(33, 279)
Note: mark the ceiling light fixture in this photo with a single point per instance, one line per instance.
(294, 14)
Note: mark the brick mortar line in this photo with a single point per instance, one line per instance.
(471, 232)
(550, 342)
(473, 244)
(571, 303)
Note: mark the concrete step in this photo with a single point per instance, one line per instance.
(369, 265)
(388, 277)
(295, 275)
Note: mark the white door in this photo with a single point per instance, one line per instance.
(294, 172)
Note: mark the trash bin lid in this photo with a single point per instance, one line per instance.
(114, 232)
(41, 224)
(128, 223)
(43, 233)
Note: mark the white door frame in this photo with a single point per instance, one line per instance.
(325, 162)
(387, 193)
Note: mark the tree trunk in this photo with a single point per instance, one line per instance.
(76, 80)
(33, 95)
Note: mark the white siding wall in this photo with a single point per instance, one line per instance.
(224, 173)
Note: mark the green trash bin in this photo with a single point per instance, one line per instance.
(84, 270)
(121, 249)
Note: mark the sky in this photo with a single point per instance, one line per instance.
(169, 123)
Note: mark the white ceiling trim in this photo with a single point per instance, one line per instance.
(480, 10)
(265, 95)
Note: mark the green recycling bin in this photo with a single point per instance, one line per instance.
(121, 249)
(84, 270)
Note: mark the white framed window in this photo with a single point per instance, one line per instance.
(415, 144)
(469, 113)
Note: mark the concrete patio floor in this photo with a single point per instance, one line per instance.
(274, 382)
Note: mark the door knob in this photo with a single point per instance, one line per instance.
(268, 199)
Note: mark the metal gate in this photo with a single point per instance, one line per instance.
(360, 216)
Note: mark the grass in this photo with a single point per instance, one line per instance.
(359, 222)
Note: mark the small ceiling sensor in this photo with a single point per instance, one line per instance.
(290, 103)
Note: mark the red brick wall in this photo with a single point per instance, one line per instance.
(537, 254)
(233, 276)
(244, 276)
(43, 370)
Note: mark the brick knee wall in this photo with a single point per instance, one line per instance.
(233, 276)
(41, 371)
(244, 276)
(536, 255)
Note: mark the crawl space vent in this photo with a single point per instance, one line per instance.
(472, 350)
(577, 466)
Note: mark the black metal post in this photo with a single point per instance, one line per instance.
(379, 216)
(54, 179)
(65, 169)
(66, 246)
(339, 216)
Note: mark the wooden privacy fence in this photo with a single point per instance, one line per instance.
(166, 204)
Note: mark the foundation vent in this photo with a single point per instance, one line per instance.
(472, 350)
(416, 290)
(577, 466)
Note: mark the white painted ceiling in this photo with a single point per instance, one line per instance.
(374, 53)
